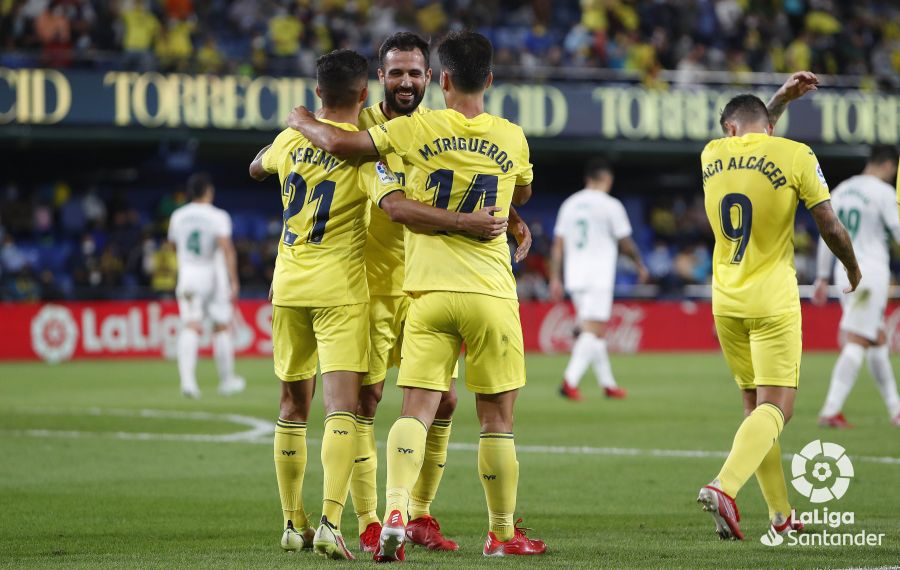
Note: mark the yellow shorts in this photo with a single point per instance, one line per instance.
(387, 315)
(439, 322)
(301, 336)
(764, 351)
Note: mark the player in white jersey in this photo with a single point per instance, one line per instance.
(865, 205)
(207, 284)
(591, 228)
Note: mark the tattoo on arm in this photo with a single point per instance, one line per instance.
(833, 232)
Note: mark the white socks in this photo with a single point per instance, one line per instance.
(188, 342)
(223, 352)
(589, 349)
(879, 361)
(601, 365)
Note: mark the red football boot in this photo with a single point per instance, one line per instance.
(518, 545)
(724, 512)
(789, 524)
(836, 421)
(425, 531)
(390, 542)
(368, 540)
(569, 392)
(615, 393)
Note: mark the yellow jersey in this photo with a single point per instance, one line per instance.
(384, 245)
(751, 186)
(321, 254)
(459, 164)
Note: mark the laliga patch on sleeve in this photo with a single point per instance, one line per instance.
(384, 173)
(821, 176)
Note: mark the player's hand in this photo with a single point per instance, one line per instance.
(820, 293)
(484, 224)
(855, 276)
(522, 234)
(643, 275)
(299, 116)
(556, 290)
(797, 85)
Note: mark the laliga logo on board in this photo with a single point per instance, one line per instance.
(54, 333)
(821, 471)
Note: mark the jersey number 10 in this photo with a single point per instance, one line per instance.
(295, 191)
(741, 232)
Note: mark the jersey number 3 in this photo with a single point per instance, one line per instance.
(295, 191)
(736, 212)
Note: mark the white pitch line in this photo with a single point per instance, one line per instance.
(260, 433)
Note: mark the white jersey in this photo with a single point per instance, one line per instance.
(591, 224)
(867, 207)
(195, 229)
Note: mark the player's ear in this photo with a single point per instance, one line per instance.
(427, 77)
(318, 92)
(730, 128)
(445, 80)
(364, 94)
(770, 129)
(490, 80)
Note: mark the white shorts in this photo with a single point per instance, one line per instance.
(194, 307)
(863, 310)
(593, 304)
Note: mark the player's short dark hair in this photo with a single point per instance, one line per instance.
(404, 41)
(468, 57)
(881, 153)
(597, 166)
(198, 184)
(746, 108)
(341, 76)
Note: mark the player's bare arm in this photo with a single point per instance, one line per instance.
(521, 195)
(520, 231)
(228, 250)
(480, 224)
(340, 143)
(796, 86)
(838, 241)
(556, 256)
(630, 250)
(257, 172)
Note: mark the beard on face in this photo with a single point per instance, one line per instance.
(403, 107)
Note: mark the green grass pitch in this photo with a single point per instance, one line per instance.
(79, 487)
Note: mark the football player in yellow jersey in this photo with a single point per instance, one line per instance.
(752, 182)
(404, 73)
(463, 290)
(320, 297)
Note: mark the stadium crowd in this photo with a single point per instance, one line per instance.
(639, 37)
(62, 241)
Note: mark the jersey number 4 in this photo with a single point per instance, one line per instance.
(295, 192)
(736, 212)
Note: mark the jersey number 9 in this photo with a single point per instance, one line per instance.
(737, 227)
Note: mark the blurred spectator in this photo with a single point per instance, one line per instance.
(49, 289)
(11, 257)
(174, 47)
(692, 65)
(209, 56)
(54, 33)
(285, 30)
(164, 270)
(141, 31)
(22, 286)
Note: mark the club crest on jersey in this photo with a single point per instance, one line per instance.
(384, 173)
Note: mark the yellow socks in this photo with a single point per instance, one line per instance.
(338, 453)
(290, 465)
(770, 476)
(499, 472)
(365, 468)
(432, 469)
(405, 452)
(752, 442)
